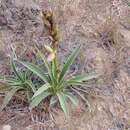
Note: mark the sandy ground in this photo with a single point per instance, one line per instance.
(103, 28)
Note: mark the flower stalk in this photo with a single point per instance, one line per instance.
(54, 34)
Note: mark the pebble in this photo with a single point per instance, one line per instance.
(6, 127)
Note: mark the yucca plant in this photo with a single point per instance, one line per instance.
(19, 81)
(56, 86)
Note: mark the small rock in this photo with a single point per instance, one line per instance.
(6, 127)
(113, 129)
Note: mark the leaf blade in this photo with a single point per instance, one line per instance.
(62, 101)
(41, 90)
(35, 69)
(9, 96)
(47, 65)
(83, 77)
(53, 101)
(72, 98)
(31, 86)
(36, 101)
(15, 70)
(69, 62)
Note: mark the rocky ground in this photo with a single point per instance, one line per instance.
(103, 28)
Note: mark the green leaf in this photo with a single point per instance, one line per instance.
(16, 83)
(8, 97)
(53, 68)
(23, 75)
(47, 65)
(13, 52)
(83, 77)
(69, 62)
(15, 70)
(53, 101)
(41, 90)
(72, 98)
(36, 101)
(8, 80)
(35, 69)
(30, 84)
(62, 100)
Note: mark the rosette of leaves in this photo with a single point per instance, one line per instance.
(19, 81)
(56, 86)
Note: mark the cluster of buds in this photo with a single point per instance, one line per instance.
(50, 24)
(53, 33)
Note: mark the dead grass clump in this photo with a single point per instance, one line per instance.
(97, 59)
(110, 39)
(120, 107)
(112, 44)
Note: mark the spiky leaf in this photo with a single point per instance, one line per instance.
(47, 65)
(36, 101)
(8, 97)
(41, 90)
(35, 69)
(62, 100)
(31, 85)
(83, 77)
(72, 98)
(69, 62)
(53, 101)
(15, 70)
